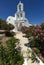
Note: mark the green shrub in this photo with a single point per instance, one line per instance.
(10, 55)
(9, 34)
(43, 60)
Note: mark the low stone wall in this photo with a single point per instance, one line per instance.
(40, 62)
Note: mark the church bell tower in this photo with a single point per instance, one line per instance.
(20, 7)
(20, 14)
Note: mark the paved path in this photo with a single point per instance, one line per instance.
(24, 50)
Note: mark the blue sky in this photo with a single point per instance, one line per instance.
(34, 9)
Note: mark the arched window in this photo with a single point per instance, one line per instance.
(21, 14)
(19, 7)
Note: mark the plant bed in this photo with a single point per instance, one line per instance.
(37, 52)
(37, 43)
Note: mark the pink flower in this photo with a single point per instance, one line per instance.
(35, 48)
(39, 26)
(40, 56)
(43, 31)
(43, 38)
(41, 34)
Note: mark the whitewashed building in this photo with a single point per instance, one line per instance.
(19, 19)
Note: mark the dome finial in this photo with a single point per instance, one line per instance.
(20, 1)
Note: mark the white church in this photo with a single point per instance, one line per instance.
(19, 20)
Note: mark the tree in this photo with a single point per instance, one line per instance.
(5, 26)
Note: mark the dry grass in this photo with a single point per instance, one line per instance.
(3, 39)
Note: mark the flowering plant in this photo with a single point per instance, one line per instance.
(39, 36)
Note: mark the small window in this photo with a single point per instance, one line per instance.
(17, 15)
(21, 14)
(20, 7)
(9, 18)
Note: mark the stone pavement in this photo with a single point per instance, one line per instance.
(24, 50)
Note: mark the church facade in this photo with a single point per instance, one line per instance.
(19, 19)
